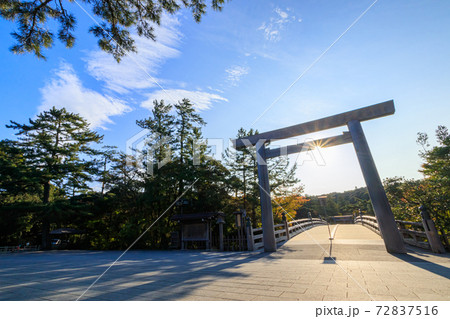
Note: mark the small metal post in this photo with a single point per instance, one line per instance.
(238, 218)
(242, 229)
(220, 221)
(182, 237)
(208, 237)
(249, 228)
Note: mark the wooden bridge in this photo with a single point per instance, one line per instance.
(423, 235)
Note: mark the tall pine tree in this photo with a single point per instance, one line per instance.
(188, 125)
(57, 144)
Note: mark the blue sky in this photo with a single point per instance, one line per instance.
(235, 63)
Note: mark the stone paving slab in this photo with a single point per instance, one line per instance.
(297, 271)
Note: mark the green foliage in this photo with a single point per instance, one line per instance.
(436, 168)
(56, 155)
(16, 217)
(139, 190)
(436, 164)
(56, 146)
(433, 191)
(16, 177)
(244, 177)
(336, 204)
(118, 19)
(406, 196)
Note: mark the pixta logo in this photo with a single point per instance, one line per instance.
(148, 150)
(143, 148)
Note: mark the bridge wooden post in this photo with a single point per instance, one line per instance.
(386, 221)
(286, 225)
(266, 203)
(431, 231)
(361, 217)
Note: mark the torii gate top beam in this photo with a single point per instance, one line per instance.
(303, 147)
(362, 114)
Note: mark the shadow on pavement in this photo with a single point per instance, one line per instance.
(140, 275)
(426, 264)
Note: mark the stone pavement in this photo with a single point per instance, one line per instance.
(297, 271)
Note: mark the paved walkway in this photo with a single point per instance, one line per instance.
(297, 271)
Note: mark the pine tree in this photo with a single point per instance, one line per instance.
(15, 176)
(108, 156)
(57, 145)
(158, 143)
(118, 18)
(159, 177)
(242, 165)
(188, 125)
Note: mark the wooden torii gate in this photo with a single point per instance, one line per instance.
(352, 119)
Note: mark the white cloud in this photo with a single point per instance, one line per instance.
(283, 15)
(272, 29)
(201, 100)
(213, 89)
(133, 75)
(137, 71)
(235, 73)
(66, 90)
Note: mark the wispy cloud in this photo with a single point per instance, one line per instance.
(130, 80)
(132, 73)
(235, 73)
(216, 90)
(201, 100)
(272, 29)
(66, 90)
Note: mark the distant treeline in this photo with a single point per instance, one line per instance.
(337, 204)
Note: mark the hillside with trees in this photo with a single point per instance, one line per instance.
(337, 204)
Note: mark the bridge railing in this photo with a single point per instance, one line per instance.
(413, 233)
(13, 249)
(300, 225)
(283, 231)
(368, 221)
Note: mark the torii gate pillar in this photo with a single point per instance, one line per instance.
(270, 244)
(386, 222)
